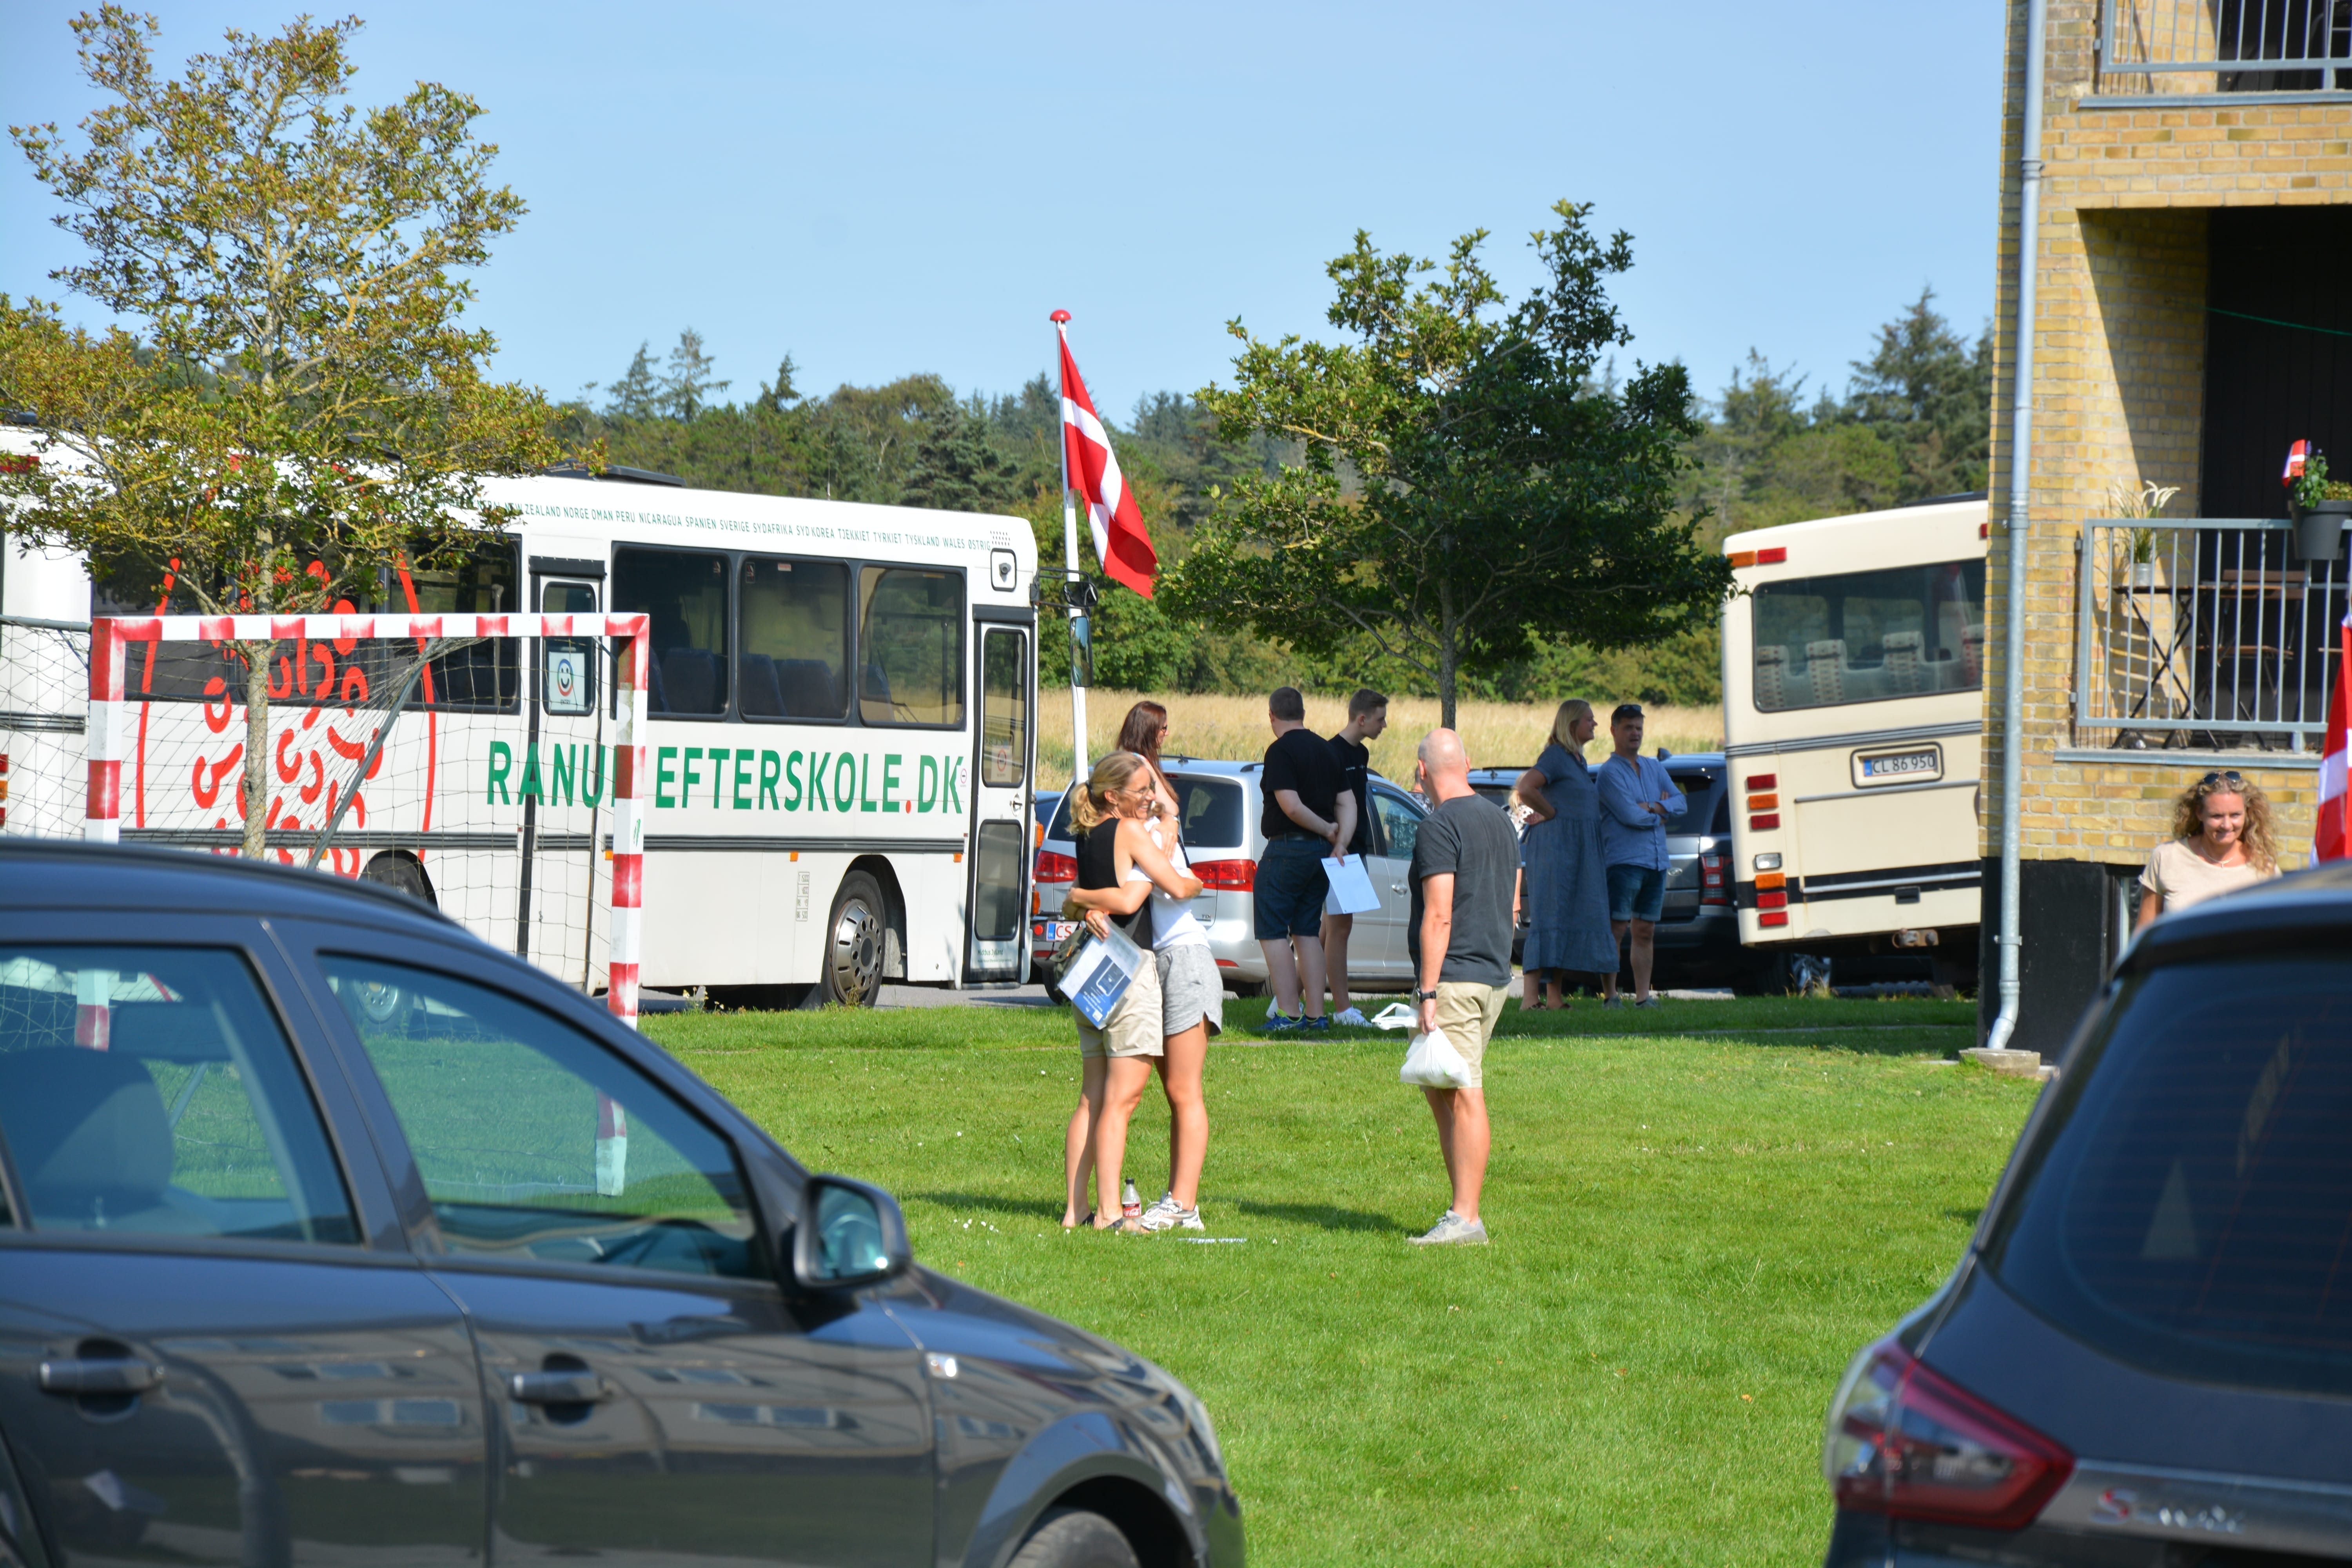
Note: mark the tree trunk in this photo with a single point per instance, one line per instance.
(1449, 658)
(254, 786)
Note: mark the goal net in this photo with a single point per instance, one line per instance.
(485, 764)
(44, 703)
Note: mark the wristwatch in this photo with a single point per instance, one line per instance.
(1424, 996)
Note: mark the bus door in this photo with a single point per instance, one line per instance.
(561, 849)
(1004, 754)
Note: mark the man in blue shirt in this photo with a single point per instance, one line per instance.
(1637, 796)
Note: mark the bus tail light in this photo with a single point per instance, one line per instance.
(1774, 556)
(1766, 802)
(1711, 887)
(1903, 1441)
(1773, 918)
(1054, 866)
(1763, 781)
(1227, 876)
(1774, 900)
(1764, 822)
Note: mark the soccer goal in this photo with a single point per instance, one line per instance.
(488, 764)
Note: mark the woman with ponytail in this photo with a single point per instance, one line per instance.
(1118, 867)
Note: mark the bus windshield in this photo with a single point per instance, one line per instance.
(1869, 636)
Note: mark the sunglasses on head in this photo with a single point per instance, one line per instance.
(2229, 777)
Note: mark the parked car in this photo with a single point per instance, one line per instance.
(2145, 1355)
(1697, 938)
(1221, 806)
(329, 1232)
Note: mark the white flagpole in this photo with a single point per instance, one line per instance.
(1079, 624)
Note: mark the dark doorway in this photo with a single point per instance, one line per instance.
(2278, 350)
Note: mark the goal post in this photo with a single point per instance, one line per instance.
(375, 725)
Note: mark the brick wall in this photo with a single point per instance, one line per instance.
(2119, 362)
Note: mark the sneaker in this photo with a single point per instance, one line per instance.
(1165, 1215)
(1315, 1024)
(1453, 1230)
(1649, 1001)
(1612, 1002)
(1353, 1018)
(1282, 1024)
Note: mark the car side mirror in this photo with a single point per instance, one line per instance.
(850, 1234)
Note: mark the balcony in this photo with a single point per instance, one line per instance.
(2167, 49)
(2203, 634)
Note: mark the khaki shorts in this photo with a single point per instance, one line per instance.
(1468, 1013)
(1134, 1027)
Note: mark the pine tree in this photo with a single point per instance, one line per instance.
(956, 467)
(635, 395)
(685, 390)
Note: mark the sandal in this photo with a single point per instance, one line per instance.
(1126, 1225)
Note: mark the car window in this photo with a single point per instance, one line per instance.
(1400, 825)
(1208, 811)
(1701, 789)
(536, 1142)
(151, 1091)
(2186, 1209)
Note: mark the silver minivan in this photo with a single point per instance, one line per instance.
(1221, 805)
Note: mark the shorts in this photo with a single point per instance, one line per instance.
(1637, 893)
(1467, 1012)
(1134, 1024)
(1287, 900)
(1190, 989)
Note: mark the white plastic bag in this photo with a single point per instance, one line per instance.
(1432, 1062)
(1396, 1016)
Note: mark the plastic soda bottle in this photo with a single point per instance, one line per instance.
(1130, 1202)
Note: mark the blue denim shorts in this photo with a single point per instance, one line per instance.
(1287, 900)
(1637, 893)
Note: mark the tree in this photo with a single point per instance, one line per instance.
(1928, 393)
(687, 387)
(638, 393)
(956, 467)
(308, 258)
(1465, 485)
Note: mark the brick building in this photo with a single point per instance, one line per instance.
(2193, 318)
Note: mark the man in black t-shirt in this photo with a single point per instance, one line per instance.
(1368, 715)
(1309, 815)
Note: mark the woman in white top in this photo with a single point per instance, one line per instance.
(2220, 842)
(1122, 797)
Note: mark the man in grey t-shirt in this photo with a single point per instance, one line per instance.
(1465, 867)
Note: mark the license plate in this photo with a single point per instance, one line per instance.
(1903, 764)
(1054, 930)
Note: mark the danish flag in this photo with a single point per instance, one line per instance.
(1121, 542)
(2331, 831)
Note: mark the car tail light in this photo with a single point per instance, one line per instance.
(1711, 887)
(1232, 875)
(1056, 867)
(1764, 822)
(1903, 1441)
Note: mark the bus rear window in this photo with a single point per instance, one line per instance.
(683, 595)
(1869, 636)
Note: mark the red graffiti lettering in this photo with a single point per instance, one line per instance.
(320, 652)
(208, 791)
(286, 773)
(280, 688)
(218, 688)
(318, 780)
(355, 686)
(349, 750)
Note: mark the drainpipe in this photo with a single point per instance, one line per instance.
(2018, 528)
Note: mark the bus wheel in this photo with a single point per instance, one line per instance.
(853, 955)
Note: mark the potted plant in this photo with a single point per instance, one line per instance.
(2320, 507)
(2146, 501)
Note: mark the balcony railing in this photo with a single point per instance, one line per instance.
(2169, 47)
(2202, 633)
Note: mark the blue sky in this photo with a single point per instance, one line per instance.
(889, 189)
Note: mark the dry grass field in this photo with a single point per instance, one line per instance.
(1497, 734)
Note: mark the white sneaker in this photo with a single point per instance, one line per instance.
(1353, 1018)
(1163, 1215)
(1453, 1230)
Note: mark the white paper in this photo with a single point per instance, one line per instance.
(1099, 974)
(1351, 887)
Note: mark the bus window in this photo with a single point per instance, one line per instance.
(1003, 707)
(1869, 636)
(795, 648)
(910, 646)
(683, 594)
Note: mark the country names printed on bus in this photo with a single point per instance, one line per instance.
(736, 778)
(900, 538)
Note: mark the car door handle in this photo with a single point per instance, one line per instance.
(558, 1387)
(105, 1376)
(1396, 887)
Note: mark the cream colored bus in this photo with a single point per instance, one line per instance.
(1853, 712)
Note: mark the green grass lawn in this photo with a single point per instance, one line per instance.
(1699, 1212)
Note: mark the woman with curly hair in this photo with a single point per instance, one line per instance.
(2220, 842)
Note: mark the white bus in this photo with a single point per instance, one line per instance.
(840, 752)
(1854, 715)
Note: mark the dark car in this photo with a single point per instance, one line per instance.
(2144, 1356)
(1697, 940)
(329, 1233)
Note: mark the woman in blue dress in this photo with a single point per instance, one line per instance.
(1568, 891)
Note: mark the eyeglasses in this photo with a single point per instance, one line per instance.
(2232, 776)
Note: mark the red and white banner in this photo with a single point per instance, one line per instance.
(2331, 832)
(1122, 543)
